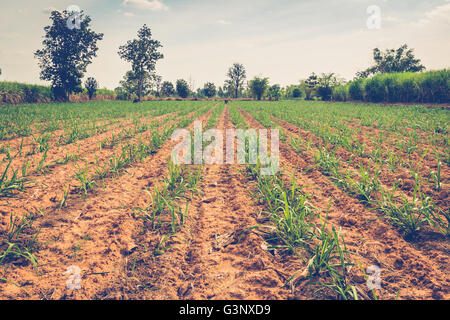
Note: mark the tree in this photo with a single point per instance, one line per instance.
(310, 85)
(200, 93)
(122, 94)
(400, 60)
(221, 93)
(66, 53)
(157, 80)
(274, 92)
(296, 93)
(325, 84)
(91, 86)
(209, 89)
(236, 76)
(182, 88)
(134, 85)
(258, 87)
(228, 89)
(167, 89)
(293, 91)
(143, 54)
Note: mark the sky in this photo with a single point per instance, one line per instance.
(284, 40)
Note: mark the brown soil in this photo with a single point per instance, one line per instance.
(95, 234)
(215, 257)
(402, 176)
(216, 254)
(407, 269)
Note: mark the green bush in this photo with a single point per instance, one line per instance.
(410, 90)
(356, 90)
(436, 86)
(393, 88)
(375, 90)
(21, 93)
(14, 92)
(340, 93)
(419, 87)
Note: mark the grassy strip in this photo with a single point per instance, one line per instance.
(18, 244)
(293, 229)
(165, 212)
(410, 217)
(130, 153)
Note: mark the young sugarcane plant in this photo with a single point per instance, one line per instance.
(86, 183)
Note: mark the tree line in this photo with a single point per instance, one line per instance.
(396, 75)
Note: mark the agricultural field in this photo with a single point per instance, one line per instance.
(91, 199)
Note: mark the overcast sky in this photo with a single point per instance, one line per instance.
(284, 40)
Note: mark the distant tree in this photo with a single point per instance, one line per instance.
(236, 76)
(122, 94)
(143, 54)
(220, 92)
(66, 53)
(274, 92)
(157, 81)
(209, 89)
(310, 86)
(135, 85)
(229, 89)
(293, 91)
(200, 93)
(393, 60)
(167, 89)
(182, 88)
(91, 86)
(258, 87)
(296, 93)
(325, 84)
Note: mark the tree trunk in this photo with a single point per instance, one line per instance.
(140, 88)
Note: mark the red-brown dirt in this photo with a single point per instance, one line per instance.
(217, 253)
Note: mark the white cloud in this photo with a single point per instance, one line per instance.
(128, 14)
(151, 5)
(224, 22)
(440, 14)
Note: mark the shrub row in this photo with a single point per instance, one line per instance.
(422, 87)
(20, 93)
(15, 93)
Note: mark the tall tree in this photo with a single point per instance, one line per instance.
(182, 88)
(236, 76)
(91, 86)
(167, 89)
(258, 86)
(66, 53)
(209, 89)
(143, 54)
(393, 60)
